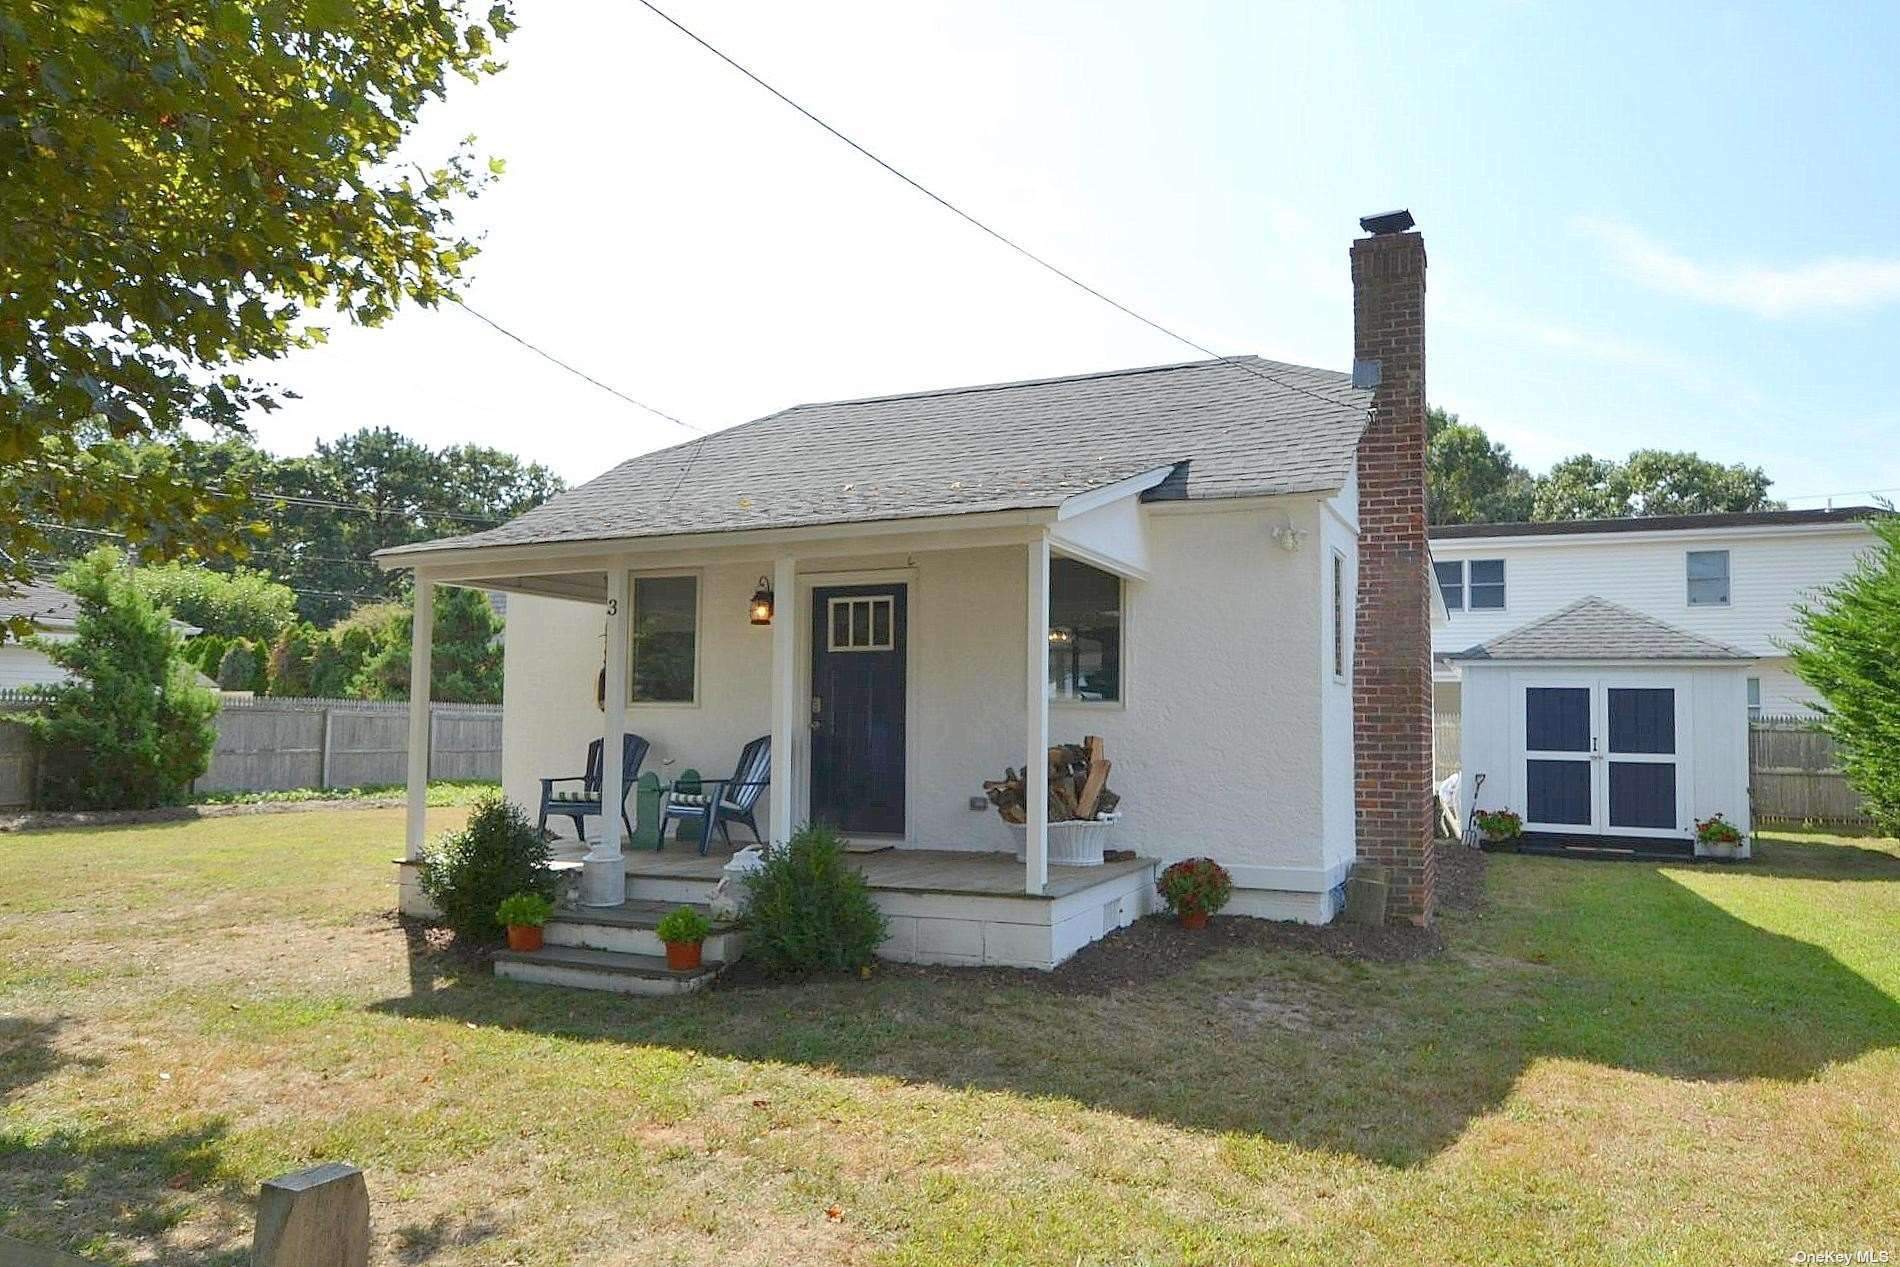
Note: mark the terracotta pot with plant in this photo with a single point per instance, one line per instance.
(523, 914)
(1496, 826)
(1194, 889)
(1716, 837)
(684, 932)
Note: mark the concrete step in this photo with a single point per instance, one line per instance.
(628, 929)
(676, 890)
(582, 969)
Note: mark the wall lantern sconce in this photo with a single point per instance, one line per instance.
(762, 603)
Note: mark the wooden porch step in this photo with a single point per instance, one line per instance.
(629, 929)
(581, 968)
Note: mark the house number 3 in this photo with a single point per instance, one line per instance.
(613, 607)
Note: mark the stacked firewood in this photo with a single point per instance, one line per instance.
(1078, 785)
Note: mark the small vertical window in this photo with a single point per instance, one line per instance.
(1451, 583)
(1486, 585)
(1708, 578)
(1754, 699)
(1085, 632)
(1339, 615)
(665, 640)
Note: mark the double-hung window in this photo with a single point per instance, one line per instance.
(1708, 578)
(1471, 585)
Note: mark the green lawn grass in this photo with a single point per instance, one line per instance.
(1610, 1063)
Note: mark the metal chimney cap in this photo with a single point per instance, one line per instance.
(1387, 222)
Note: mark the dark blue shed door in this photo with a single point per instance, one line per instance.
(857, 707)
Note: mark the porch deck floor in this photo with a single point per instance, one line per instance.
(905, 870)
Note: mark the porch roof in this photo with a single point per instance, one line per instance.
(1225, 430)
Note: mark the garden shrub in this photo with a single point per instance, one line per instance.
(241, 668)
(469, 873)
(132, 728)
(808, 910)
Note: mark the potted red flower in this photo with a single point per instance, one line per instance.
(1496, 826)
(1716, 837)
(1194, 889)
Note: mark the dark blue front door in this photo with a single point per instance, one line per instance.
(857, 707)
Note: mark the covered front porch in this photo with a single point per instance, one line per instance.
(893, 665)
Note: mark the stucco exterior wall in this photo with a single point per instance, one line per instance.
(1233, 739)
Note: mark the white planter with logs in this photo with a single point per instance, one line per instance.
(1075, 842)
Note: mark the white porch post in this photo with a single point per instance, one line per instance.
(603, 870)
(1036, 771)
(421, 644)
(785, 710)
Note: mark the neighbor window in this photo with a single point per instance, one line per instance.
(1339, 615)
(1754, 698)
(1451, 583)
(1085, 632)
(665, 647)
(1477, 585)
(1708, 578)
(1485, 584)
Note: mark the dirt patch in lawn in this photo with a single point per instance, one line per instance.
(54, 820)
(1156, 948)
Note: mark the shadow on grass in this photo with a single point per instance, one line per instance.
(1798, 859)
(1619, 966)
(28, 1052)
(77, 1189)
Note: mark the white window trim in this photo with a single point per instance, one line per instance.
(1504, 585)
(1126, 604)
(1339, 616)
(699, 632)
(871, 602)
(1463, 589)
(1728, 577)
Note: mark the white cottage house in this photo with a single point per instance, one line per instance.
(906, 594)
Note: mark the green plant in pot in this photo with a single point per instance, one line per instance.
(1718, 837)
(1498, 825)
(523, 915)
(1194, 889)
(684, 931)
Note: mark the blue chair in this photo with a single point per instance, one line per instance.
(577, 803)
(722, 801)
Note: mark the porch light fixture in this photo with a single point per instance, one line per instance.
(762, 603)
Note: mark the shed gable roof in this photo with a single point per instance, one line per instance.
(1592, 629)
(1006, 446)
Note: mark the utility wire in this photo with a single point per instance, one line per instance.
(970, 219)
(552, 359)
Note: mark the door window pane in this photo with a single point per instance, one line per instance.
(1557, 719)
(1642, 720)
(1085, 632)
(1642, 794)
(1487, 584)
(665, 638)
(1451, 583)
(1558, 792)
(1708, 578)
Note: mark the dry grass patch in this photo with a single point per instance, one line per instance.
(1607, 1063)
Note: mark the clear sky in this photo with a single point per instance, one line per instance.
(1649, 224)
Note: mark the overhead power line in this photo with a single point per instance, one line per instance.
(579, 373)
(973, 221)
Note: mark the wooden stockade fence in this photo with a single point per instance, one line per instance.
(1795, 777)
(274, 744)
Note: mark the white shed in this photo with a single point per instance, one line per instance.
(1607, 730)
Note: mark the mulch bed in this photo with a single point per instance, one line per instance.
(1156, 948)
(51, 820)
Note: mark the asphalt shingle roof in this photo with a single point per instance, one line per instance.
(1005, 446)
(1592, 629)
(42, 602)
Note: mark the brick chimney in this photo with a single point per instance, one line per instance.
(1392, 651)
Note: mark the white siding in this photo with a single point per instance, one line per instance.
(24, 666)
(1233, 739)
(1769, 572)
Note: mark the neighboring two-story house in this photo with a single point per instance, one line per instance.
(1733, 578)
(1597, 677)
